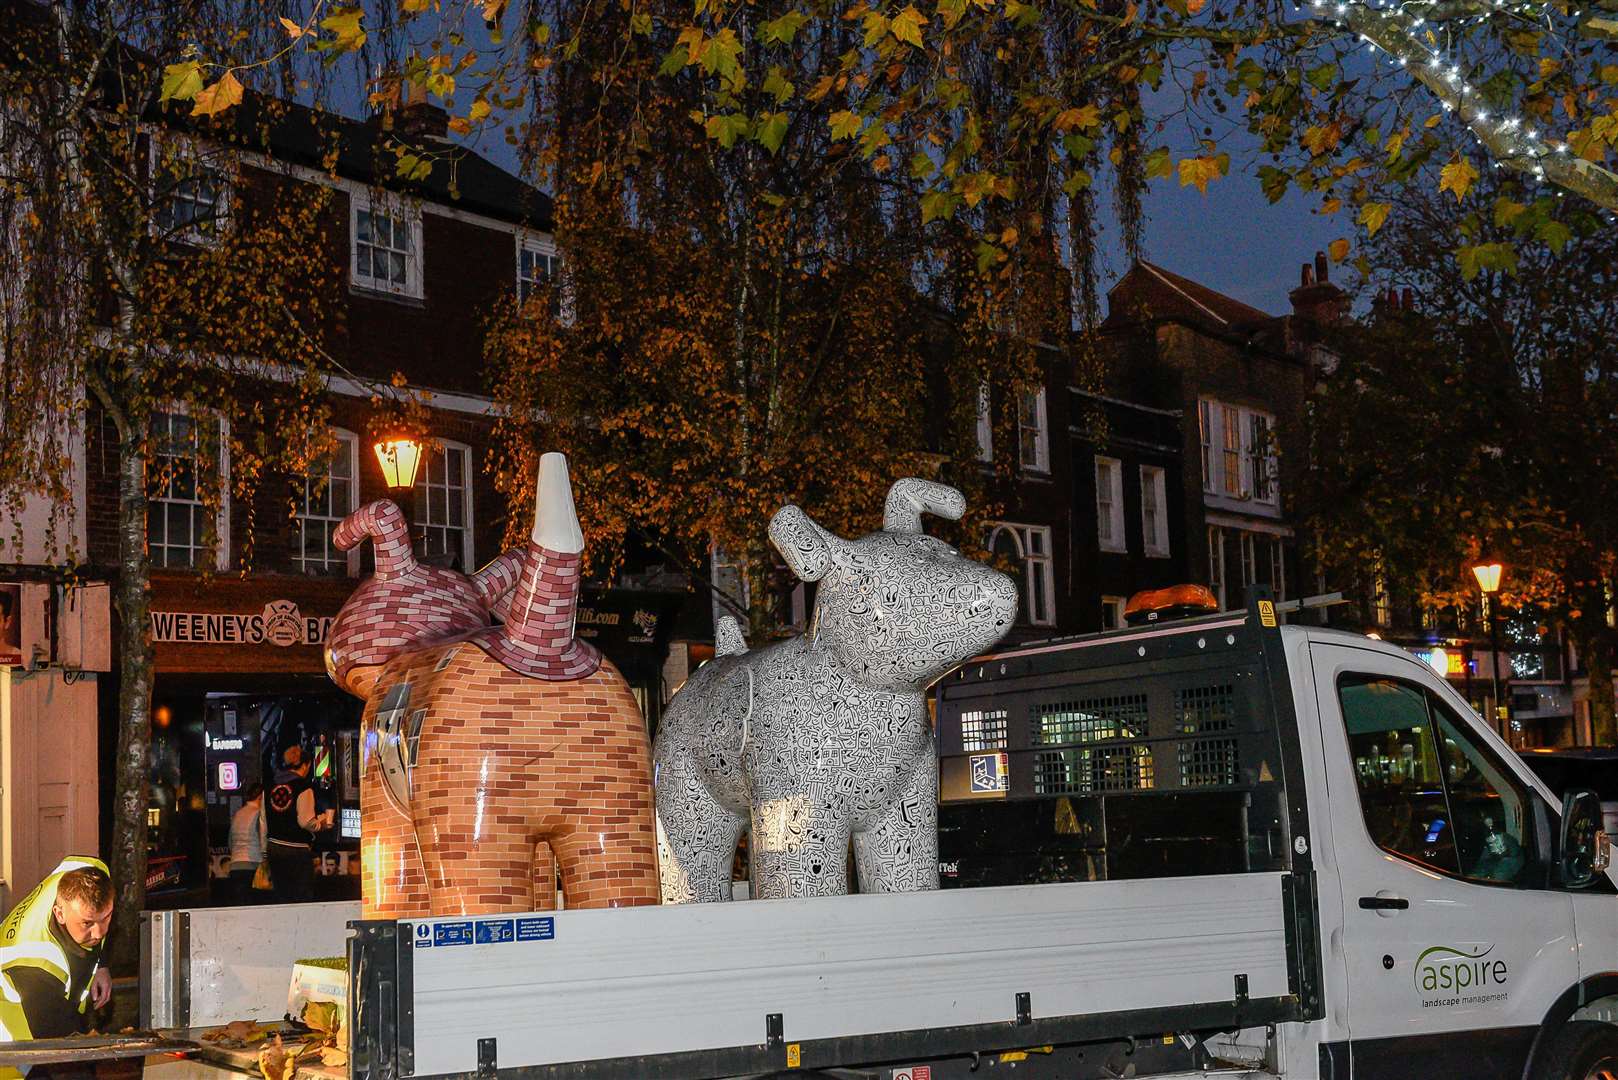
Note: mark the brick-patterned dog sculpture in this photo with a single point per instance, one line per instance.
(825, 737)
(495, 753)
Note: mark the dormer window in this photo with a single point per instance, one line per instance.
(385, 240)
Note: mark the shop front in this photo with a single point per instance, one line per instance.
(240, 680)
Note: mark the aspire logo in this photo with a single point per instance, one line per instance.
(1445, 969)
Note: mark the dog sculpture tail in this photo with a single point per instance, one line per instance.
(539, 637)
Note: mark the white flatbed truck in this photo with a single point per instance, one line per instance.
(1231, 847)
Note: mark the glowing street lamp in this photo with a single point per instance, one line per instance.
(1488, 575)
(399, 458)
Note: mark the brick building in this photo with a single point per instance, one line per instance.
(239, 666)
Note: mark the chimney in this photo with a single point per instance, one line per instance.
(419, 120)
(1317, 300)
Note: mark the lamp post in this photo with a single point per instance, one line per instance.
(1488, 575)
(399, 457)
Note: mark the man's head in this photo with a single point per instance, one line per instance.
(84, 905)
(293, 759)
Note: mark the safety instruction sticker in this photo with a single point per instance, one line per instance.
(989, 772)
(424, 936)
(537, 929)
(1266, 613)
(453, 933)
(496, 931)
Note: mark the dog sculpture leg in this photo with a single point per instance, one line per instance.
(899, 851)
(696, 835)
(797, 849)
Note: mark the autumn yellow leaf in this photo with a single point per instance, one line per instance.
(218, 97)
(1457, 176)
(1331, 206)
(294, 31)
(1321, 139)
(1199, 171)
(182, 81)
(1372, 215)
(1433, 120)
(1085, 116)
(1337, 249)
(906, 26)
(1192, 7)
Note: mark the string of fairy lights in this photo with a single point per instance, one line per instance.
(1507, 132)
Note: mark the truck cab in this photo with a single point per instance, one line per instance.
(1453, 934)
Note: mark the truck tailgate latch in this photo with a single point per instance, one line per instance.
(1025, 1010)
(772, 1031)
(488, 1063)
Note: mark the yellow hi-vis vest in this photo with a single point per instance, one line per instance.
(26, 941)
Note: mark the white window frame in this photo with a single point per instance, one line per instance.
(418, 526)
(1216, 563)
(1040, 461)
(1154, 494)
(351, 441)
(221, 517)
(208, 158)
(1205, 431)
(399, 208)
(1033, 547)
(1217, 422)
(1278, 568)
(544, 246)
(1247, 547)
(1112, 612)
(1110, 510)
(985, 431)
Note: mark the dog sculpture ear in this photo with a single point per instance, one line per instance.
(805, 546)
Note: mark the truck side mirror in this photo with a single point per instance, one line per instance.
(1584, 845)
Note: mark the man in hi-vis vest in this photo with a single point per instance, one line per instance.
(50, 953)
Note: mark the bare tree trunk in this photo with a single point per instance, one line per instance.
(132, 767)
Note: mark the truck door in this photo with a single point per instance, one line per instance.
(1454, 940)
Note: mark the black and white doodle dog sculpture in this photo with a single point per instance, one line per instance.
(825, 737)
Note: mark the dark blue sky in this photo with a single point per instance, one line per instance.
(1233, 240)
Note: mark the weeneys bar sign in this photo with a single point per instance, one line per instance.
(280, 623)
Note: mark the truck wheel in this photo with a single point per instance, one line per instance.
(1582, 1050)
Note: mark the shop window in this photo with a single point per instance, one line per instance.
(443, 513)
(327, 495)
(185, 471)
(1029, 547)
(385, 244)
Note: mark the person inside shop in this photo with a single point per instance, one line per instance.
(247, 836)
(291, 822)
(50, 953)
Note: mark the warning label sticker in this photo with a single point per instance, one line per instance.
(453, 933)
(495, 931)
(536, 929)
(914, 1072)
